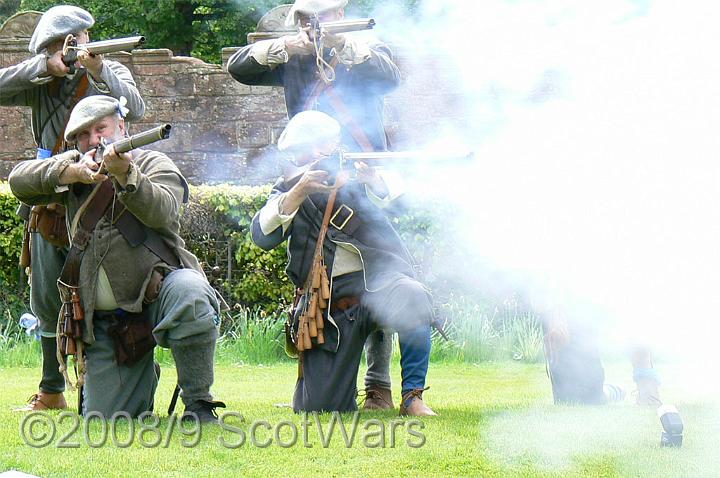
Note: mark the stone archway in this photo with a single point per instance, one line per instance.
(20, 26)
(271, 25)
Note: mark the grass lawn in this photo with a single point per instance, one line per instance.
(496, 420)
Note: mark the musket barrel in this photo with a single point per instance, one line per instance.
(406, 156)
(114, 45)
(143, 139)
(344, 26)
(71, 48)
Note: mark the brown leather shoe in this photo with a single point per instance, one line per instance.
(44, 401)
(416, 407)
(378, 398)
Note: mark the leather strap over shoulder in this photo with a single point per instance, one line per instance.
(94, 211)
(136, 233)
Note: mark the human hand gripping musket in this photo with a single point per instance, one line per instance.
(343, 161)
(71, 48)
(72, 315)
(132, 142)
(321, 30)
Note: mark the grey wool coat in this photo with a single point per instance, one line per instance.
(159, 192)
(50, 98)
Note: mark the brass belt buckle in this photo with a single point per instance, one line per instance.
(344, 223)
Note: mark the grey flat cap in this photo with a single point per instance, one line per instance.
(92, 109)
(309, 7)
(57, 23)
(308, 129)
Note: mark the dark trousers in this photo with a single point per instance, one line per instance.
(575, 369)
(329, 381)
(47, 262)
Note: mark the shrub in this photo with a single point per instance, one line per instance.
(216, 227)
(11, 233)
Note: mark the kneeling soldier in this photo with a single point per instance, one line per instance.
(369, 282)
(137, 284)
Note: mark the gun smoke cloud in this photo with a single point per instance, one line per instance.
(596, 179)
(595, 189)
(596, 184)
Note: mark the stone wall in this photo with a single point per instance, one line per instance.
(222, 130)
(220, 127)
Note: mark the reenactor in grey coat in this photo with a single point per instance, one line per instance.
(133, 271)
(44, 83)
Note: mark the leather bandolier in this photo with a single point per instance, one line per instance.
(316, 304)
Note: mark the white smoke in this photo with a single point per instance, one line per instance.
(596, 180)
(564, 439)
(597, 174)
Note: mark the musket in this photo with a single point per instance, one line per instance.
(135, 141)
(390, 157)
(321, 29)
(341, 26)
(344, 161)
(71, 48)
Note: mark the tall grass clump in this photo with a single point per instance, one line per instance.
(471, 331)
(484, 332)
(525, 337)
(253, 336)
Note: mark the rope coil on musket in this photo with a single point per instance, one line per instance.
(325, 69)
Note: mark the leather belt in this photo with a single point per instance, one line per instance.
(344, 303)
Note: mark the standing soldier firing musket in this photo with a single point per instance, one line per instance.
(323, 67)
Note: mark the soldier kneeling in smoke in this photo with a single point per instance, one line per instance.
(575, 368)
(371, 277)
(136, 282)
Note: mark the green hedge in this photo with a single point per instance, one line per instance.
(216, 227)
(11, 232)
